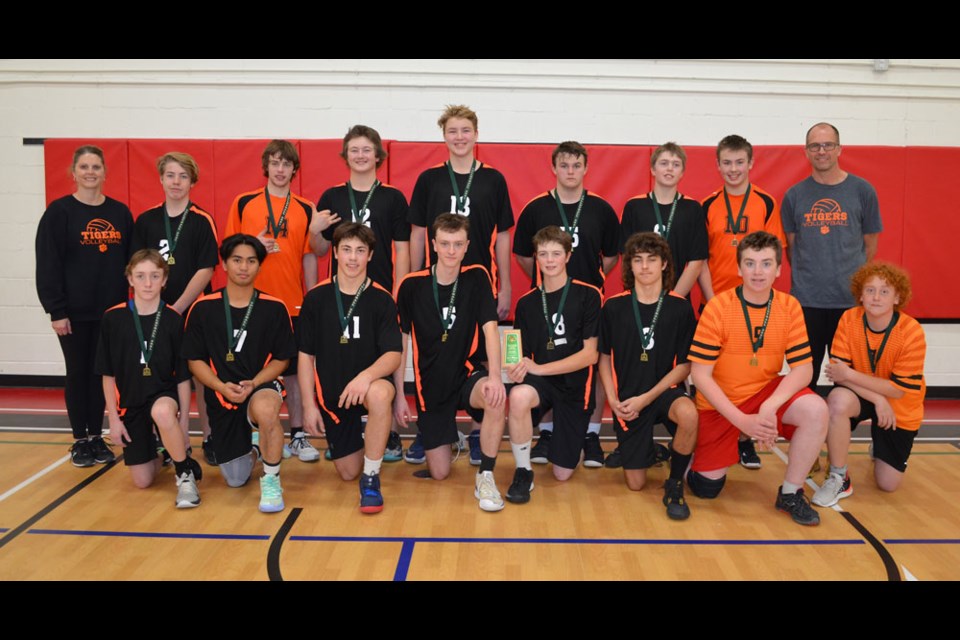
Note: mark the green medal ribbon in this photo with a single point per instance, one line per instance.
(873, 355)
(231, 340)
(274, 227)
(563, 214)
(146, 349)
(552, 326)
(356, 215)
(758, 343)
(461, 199)
(646, 339)
(735, 224)
(447, 322)
(656, 212)
(345, 319)
(172, 238)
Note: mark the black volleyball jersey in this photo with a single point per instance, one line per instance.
(371, 331)
(386, 215)
(441, 367)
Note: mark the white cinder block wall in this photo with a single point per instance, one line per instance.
(913, 103)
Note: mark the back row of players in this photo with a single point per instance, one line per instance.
(356, 351)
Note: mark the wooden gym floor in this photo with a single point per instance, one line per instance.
(58, 522)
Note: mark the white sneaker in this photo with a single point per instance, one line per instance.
(833, 489)
(188, 495)
(301, 447)
(487, 493)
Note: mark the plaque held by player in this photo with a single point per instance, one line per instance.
(512, 347)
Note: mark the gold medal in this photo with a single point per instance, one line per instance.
(754, 362)
(146, 372)
(550, 345)
(230, 357)
(443, 338)
(171, 260)
(733, 242)
(344, 340)
(644, 357)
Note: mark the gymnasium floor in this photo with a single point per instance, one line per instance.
(58, 522)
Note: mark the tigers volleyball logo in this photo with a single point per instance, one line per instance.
(825, 213)
(100, 232)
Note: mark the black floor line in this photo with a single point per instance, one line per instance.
(893, 574)
(16, 531)
(273, 555)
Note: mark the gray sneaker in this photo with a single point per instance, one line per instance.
(833, 489)
(487, 493)
(188, 496)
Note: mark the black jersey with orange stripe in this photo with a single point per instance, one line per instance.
(119, 354)
(196, 246)
(596, 235)
(371, 331)
(268, 336)
(579, 321)
(620, 339)
(386, 215)
(441, 366)
(487, 206)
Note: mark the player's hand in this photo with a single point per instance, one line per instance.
(322, 220)
(633, 406)
(401, 410)
(236, 392)
(313, 421)
(62, 327)
(886, 419)
(503, 303)
(626, 416)
(837, 370)
(517, 372)
(761, 429)
(118, 433)
(354, 393)
(268, 242)
(494, 393)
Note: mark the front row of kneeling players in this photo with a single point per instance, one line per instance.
(238, 341)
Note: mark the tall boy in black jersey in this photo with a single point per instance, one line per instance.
(139, 358)
(558, 325)
(186, 237)
(350, 345)
(595, 229)
(238, 342)
(645, 334)
(445, 311)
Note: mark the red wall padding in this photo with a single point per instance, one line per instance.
(907, 181)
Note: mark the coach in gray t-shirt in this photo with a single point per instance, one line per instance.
(832, 223)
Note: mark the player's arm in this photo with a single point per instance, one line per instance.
(312, 421)
(791, 238)
(586, 357)
(870, 242)
(605, 369)
(609, 262)
(418, 244)
(194, 288)
(356, 390)
(273, 370)
(798, 378)
(493, 392)
(526, 263)
(401, 409)
(748, 424)
(840, 372)
(630, 408)
(689, 276)
(706, 283)
(502, 250)
(309, 270)
(118, 434)
(401, 266)
(320, 221)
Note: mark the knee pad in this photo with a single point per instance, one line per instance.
(704, 487)
(237, 471)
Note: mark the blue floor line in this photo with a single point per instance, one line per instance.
(923, 541)
(403, 562)
(150, 534)
(571, 541)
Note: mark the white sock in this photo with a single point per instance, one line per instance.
(271, 469)
(371, 467)
(521, 453)
(546, 426)
(594, 427)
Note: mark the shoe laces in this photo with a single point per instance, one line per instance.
(488, 487)
(270, 486)
(368, 484)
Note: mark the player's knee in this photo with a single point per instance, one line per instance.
(635, 481)
(439, 474)
(163, 413)
(522, 399)
(562, 473)
(703, 487)
(142, 481)
(237, 472)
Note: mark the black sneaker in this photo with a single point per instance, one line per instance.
(81, 455)
(101, 452)
(677, 508)
(520, 488)
(541, 451)
(797, 505)
(748, 454)
(661, 453)
(592, 451)
(614, 459)
(208, 453)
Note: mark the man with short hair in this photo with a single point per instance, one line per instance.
(742, 339)
(350, 345)
(286, 225)
(558, 329)
(832, 222)
(238, 342)
(445, 311)
(732, 212)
